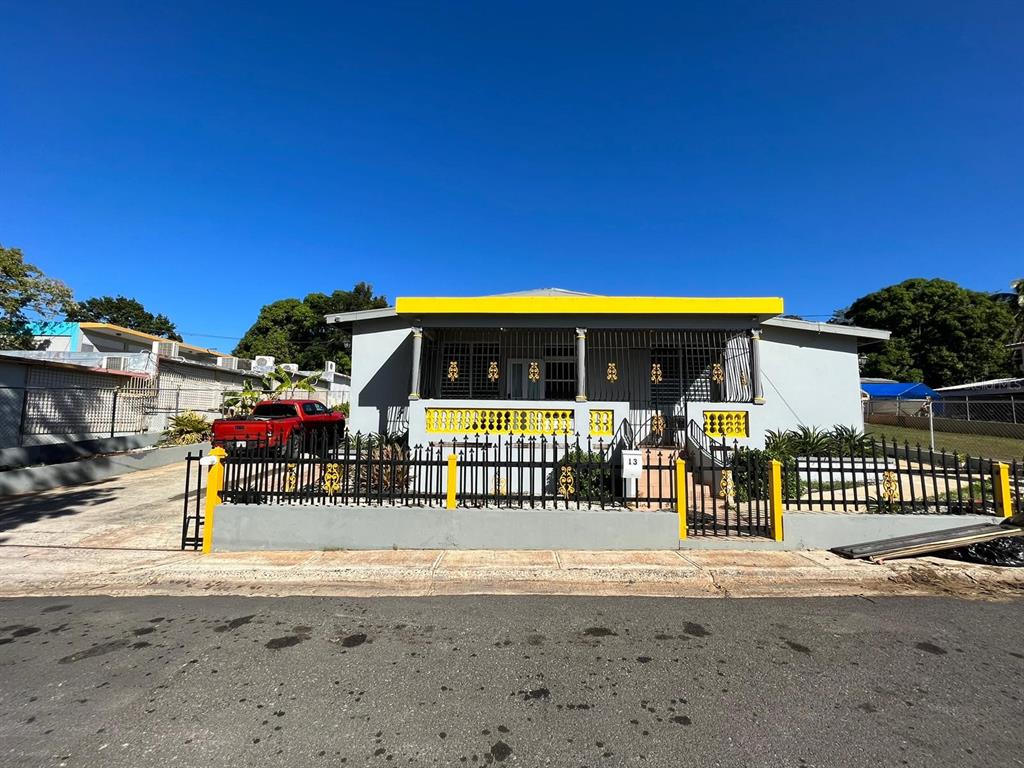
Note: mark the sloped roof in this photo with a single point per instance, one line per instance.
(546, 292)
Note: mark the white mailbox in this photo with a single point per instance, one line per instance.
(632, 465)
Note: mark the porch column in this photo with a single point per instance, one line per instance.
(417, 348)
(755, 367)
(581, 365)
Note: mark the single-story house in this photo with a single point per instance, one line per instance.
(645, 370)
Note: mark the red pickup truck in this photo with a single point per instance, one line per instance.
(292, 425)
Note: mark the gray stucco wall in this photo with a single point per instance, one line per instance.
(240, 527)
(824, 530)
(381, 374)
(808, 378)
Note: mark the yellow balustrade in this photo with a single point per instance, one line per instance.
(602, 423)
(726, 424)
(499, 421)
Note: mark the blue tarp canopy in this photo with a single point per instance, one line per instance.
(900, 389)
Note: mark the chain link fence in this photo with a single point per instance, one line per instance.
(967, 425)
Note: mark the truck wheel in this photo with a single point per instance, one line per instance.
(293, 448)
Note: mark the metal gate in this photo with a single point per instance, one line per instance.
(726, 488)
(192, 506)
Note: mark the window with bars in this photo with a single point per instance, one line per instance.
(467, 369)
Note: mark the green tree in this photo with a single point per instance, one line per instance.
(125, 312)
(294, 331)
(1018, 309)
(942, 334)
(26, 295)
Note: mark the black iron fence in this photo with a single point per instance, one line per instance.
(326, 467)
(193, 502)
(887, 477)
(728, 488)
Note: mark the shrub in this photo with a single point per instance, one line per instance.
(376, 473)
(187, 428)
(591, 475)
(751, 468)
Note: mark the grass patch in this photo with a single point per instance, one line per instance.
(982, 446)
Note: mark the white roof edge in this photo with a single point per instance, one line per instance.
(361, 314)
(987, 383)
(839, 330)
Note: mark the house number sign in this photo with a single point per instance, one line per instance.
(632, 465)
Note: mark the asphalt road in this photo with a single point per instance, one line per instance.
(472, 681)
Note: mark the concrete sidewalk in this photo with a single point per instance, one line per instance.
(121, 537)
(47, 570)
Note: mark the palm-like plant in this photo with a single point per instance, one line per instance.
(274, 385)
(187, 428)
(811, 441)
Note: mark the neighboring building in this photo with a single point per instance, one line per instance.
(992, 389)
(114, 339)
(643, 370)
(66, 392)
(46, 401)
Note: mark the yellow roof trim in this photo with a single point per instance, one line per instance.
(122, 330)
(587, 305)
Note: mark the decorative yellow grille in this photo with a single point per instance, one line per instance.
(499, 421)
(602, 423)
(726, 424)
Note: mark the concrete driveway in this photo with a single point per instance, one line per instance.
(141, 510)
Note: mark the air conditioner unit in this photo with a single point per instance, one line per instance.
(228, 362)
(290, 367)
(167, 349)
(329, 368)
(115, 363)
(263, 363)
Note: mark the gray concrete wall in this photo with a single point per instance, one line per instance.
(57, 453)
(72, 473)
(239, 527)
(381, 375)
(824, 530)
(811, 379)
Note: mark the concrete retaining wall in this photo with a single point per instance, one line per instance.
(825, 530)
(89, 470)
(55, 453)
(281, 527)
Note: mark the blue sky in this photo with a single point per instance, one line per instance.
(207, 158)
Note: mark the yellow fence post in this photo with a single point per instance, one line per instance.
(681, 497)
(452, 480)
(214, 485)
(775, 498)
(1001, 484)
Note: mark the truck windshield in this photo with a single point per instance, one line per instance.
(274, 410)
